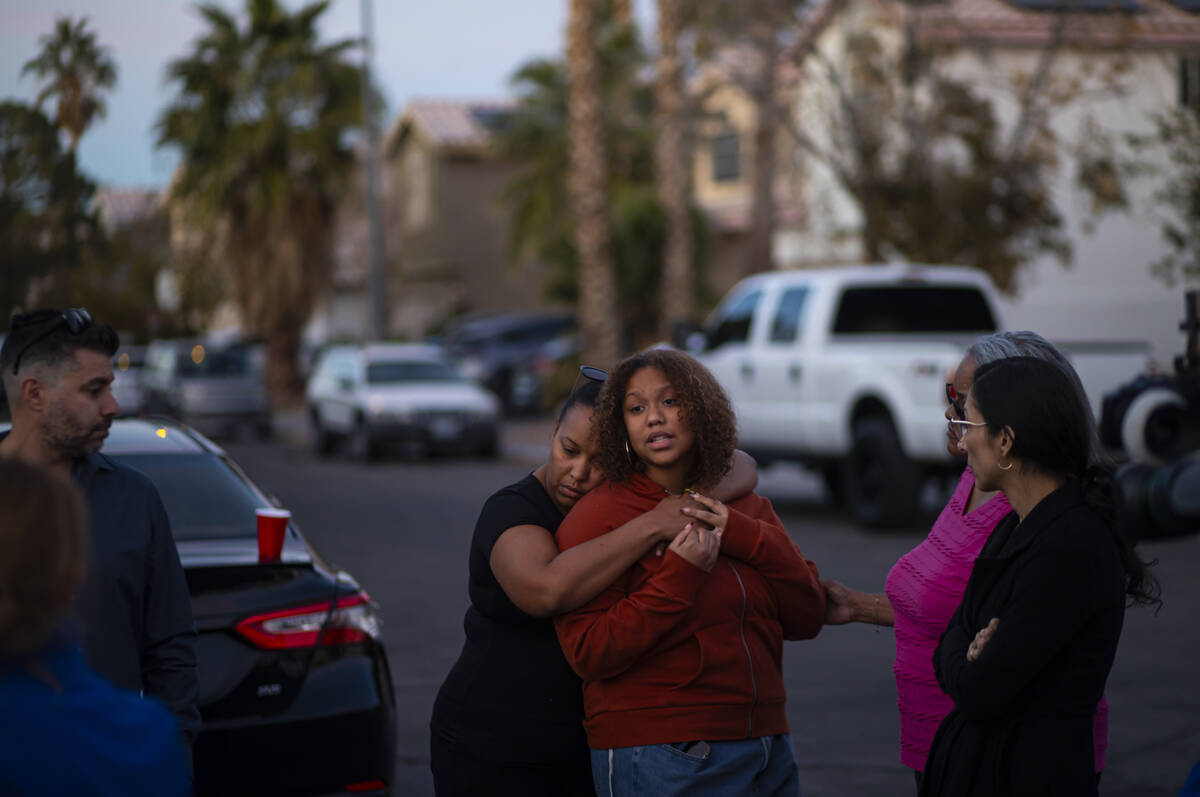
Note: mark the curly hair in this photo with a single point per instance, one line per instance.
(705, 408)
(43, 550)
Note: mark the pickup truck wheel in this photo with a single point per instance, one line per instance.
(362, 447)
(882, 484)
(835, 483)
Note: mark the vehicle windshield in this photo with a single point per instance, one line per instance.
(204, 498)
(388, 372)
(215, 363)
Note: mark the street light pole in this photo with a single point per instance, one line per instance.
(378, 282)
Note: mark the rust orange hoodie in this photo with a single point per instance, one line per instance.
(670, 653)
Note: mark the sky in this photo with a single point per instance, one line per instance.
(451, 49)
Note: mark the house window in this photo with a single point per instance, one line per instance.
(1189, 83)
(726, 157)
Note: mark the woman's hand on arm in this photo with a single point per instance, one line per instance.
(984, 667)
(543, 582)
(698, 545)
(844, 605)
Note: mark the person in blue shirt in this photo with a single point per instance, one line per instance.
(64, 729)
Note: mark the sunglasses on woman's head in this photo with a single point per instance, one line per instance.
(590, 374)
(594, 374)
(956, 401)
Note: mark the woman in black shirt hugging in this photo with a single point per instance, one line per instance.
(509, 716)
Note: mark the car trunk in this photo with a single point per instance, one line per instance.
(229, 585)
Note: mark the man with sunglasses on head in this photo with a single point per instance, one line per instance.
(134, 606)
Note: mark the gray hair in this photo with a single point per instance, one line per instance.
(1002, 345)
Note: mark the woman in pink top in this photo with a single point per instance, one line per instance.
(926, 585)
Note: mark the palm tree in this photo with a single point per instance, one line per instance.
(261, 117)
(671, 162)
(587, 188)
(74, 68)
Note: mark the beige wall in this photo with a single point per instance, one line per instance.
(448, 240)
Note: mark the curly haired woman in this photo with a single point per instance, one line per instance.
(681, 657)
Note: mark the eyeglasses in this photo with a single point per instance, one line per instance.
(956, 401)
(76, 320)
(963, 425)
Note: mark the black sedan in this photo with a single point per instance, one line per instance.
(295, 691)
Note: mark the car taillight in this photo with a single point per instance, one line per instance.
(353, 620)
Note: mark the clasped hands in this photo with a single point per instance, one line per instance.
(981, 639)
(699, 542)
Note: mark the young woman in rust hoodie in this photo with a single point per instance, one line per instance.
(681, 656)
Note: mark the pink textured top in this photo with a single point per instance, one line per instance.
(925, 587)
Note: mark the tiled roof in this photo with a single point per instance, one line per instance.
(1157, 25)
(449, 123)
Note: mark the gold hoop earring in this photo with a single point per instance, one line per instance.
(629, 451)
(1001, 467)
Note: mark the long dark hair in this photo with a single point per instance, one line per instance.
(1053, 432)
(43, 551)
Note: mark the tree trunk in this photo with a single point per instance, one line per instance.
(588, 188)
(671, 174)
(623, 12)
(762, 212)
(284, 384)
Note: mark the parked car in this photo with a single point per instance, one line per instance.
(128, 372)
(216, 388)
(369, 396)
(843, 369)
(295, 692)
(514, 354)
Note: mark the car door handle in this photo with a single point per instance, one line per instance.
(747, 372)
(794, 373)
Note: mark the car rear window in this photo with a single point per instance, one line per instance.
(913, 309)
(215, 363)
(204, 497)
(388, 372)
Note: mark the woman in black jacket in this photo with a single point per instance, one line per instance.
(1026, 654)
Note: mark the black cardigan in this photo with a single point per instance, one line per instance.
(1022, 722)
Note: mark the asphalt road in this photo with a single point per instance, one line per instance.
(403, 529)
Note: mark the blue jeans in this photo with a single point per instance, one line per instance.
(762, 767)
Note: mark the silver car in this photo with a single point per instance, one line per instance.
(412, 395)
(218, 389)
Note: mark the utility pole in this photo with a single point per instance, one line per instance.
(378, 281)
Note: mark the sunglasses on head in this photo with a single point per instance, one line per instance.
(956, 401)
(590, 374)
(76, 319)
(594, 374)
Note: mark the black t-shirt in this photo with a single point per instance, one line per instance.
(511, 696)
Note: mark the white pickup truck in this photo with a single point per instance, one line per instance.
(844, 370)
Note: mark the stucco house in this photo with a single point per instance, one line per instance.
(1116, 63)
(446, 227)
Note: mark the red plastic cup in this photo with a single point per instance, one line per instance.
(272, 526)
